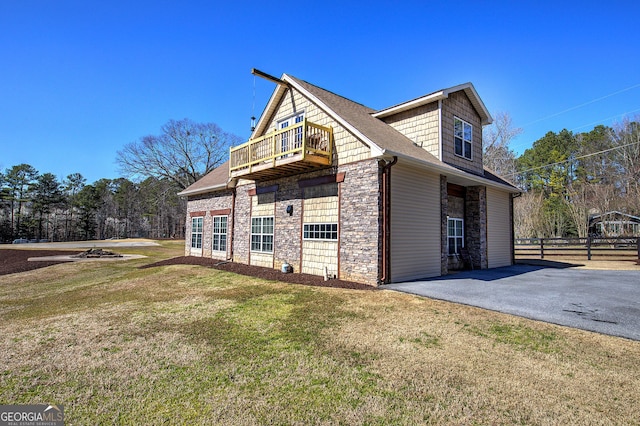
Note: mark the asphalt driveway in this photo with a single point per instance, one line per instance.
(602, 301)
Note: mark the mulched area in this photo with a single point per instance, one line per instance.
(260, 272)
(13, 261)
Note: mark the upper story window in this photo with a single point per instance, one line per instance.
(462, 134)
(291, 140)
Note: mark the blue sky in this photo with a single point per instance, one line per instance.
(79, 80)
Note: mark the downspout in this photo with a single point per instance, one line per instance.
(440, 129)
(513, 230)
(386, 218)
(233, 223)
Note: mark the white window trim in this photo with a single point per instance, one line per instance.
(195, 233)
(262, 235)
(461, 237)
(470, 141)
(290, 119)
(296, 139)
(218, 234)
(321, 239)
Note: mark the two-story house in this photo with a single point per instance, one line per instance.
(331, 187)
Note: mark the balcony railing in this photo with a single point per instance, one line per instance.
(302, 147)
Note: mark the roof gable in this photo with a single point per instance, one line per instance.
(366, 124)
(468, 88)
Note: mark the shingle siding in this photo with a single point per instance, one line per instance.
(347, 147)
(420, 125)
(459, 105)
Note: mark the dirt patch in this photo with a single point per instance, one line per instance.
(13, 261)
(96, 253)
(260, 272)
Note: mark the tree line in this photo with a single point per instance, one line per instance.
(39, 206)
(567, 177)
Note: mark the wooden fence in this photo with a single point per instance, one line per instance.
(613, 248)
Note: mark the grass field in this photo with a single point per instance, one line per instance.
(189, 345)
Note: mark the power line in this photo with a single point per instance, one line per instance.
(606, 119)
(583, 104)
(571, 159)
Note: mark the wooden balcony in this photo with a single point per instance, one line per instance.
(300, 148)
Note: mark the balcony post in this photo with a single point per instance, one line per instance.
(304, 135)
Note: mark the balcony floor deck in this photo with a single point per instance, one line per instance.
(281, 167)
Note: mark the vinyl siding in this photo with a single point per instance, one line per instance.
(498, 228)
(415, 224)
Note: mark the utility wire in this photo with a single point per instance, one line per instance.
(571, 159)
(582, 105)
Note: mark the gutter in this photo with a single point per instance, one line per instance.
(452, 171)
(386, 219)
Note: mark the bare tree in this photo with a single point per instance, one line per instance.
(496, 138)
(578, 205)
(527, 214)
(627, 138)
(184, 152)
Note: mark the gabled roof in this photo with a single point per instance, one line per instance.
(383, 139)
(485, 117)
(614, 213)
(212, 181)
(366, 125)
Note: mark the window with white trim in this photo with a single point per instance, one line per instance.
(219, 234)
(294, 141)
(462, 135)
(320, 231)
(262, 234)
(455, 235)
(196, 232)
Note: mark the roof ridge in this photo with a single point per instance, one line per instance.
(331, 92)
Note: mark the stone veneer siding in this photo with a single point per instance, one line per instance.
(444, 212)
(361, 222)
(359, 203)
(476, 225)
(206, 203)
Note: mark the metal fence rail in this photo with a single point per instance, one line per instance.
(627, 248)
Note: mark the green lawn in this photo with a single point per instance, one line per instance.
(191, 345)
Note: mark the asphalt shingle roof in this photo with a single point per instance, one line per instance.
(377, 133)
